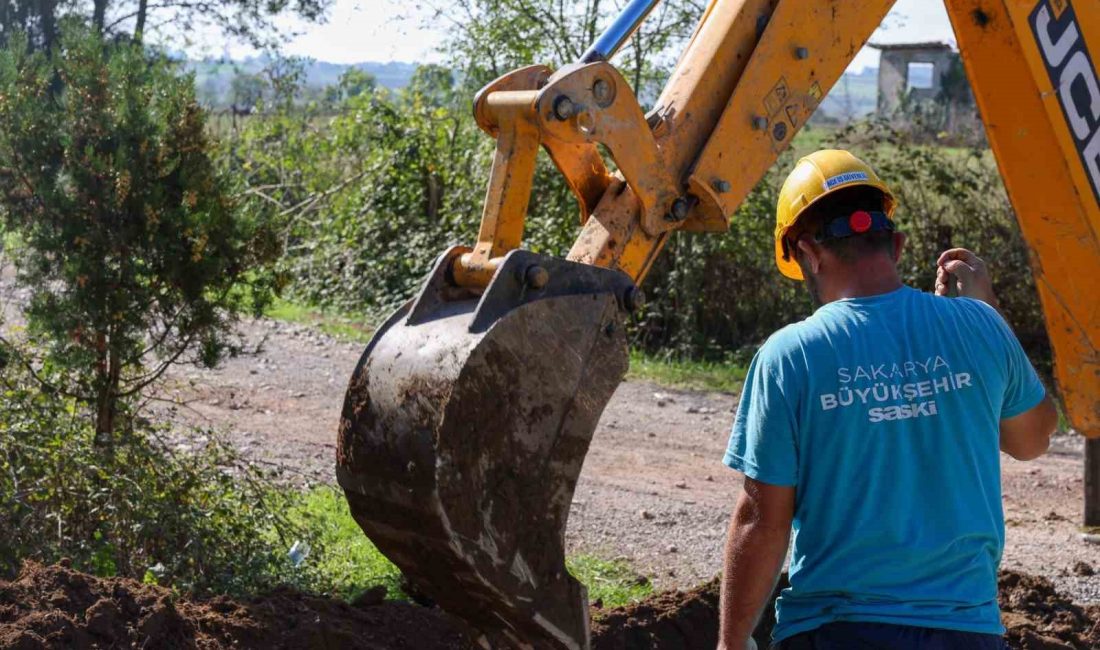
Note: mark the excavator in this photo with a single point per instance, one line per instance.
(468, 417)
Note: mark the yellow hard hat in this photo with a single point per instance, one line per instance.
(815, 176)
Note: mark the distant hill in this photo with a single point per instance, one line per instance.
(213, 77)
(855, 95)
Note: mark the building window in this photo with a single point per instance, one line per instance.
(919, 76)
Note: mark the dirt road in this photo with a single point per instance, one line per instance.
(653, 489)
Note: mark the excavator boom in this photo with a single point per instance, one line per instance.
(467, 420)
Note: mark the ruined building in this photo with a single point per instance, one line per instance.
(926, 82)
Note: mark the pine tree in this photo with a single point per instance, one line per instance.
(133, 248)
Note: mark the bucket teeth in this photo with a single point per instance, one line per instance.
(464, 430)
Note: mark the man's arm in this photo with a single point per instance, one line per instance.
(1026, 436)
(756, 546)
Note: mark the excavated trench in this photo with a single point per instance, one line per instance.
(56, 607)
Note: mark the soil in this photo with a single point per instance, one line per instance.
(672, 620)
(1037, 617)
(56, 607)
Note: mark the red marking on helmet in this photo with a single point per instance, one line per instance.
(860, 221)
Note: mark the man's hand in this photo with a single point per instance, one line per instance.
(969, 273)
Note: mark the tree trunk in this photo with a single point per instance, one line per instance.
(47, 16)
(99, 14)
(107, 381)
(433, 196)
(104, 420)
(139, 28)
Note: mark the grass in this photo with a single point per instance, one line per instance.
(611, 582)
(725, 377)
(342, 326)
(348, 563)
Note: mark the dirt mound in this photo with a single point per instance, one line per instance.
(672, 620)
(56, 607)
(1036, 616)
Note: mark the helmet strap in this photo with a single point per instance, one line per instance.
(856, 223)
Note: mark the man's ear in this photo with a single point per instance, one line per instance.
(899, 244)
(811, 253)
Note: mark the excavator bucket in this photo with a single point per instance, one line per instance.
(464, 429)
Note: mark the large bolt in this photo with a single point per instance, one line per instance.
(536, 276)
(801, 53)
(603, 92)
(564, 108)
(634, 299)
(721, 186)
(679, 210)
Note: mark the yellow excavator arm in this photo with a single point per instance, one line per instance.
(467, 420)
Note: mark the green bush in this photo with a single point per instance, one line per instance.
(715, 295)
(392, 180)
(186, 511)
(366, 198)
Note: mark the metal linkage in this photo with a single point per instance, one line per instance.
(619, 31)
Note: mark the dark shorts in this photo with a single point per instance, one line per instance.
(885, 636)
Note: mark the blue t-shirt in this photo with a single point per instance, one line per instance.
(884, 414)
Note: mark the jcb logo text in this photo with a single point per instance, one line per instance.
(1073, 76)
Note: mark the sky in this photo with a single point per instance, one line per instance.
(391, 30)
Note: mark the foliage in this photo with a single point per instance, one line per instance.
(246, 90)
(188, 513)
(352, 83)
(249, 20)
(365, 200)
(417, 170)
(712, 294)
(492, 37)
(134, 251)
(725, 376)
(35, 21)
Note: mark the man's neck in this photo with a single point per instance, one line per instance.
(862, 279)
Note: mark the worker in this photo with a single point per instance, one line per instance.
(871, 429)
